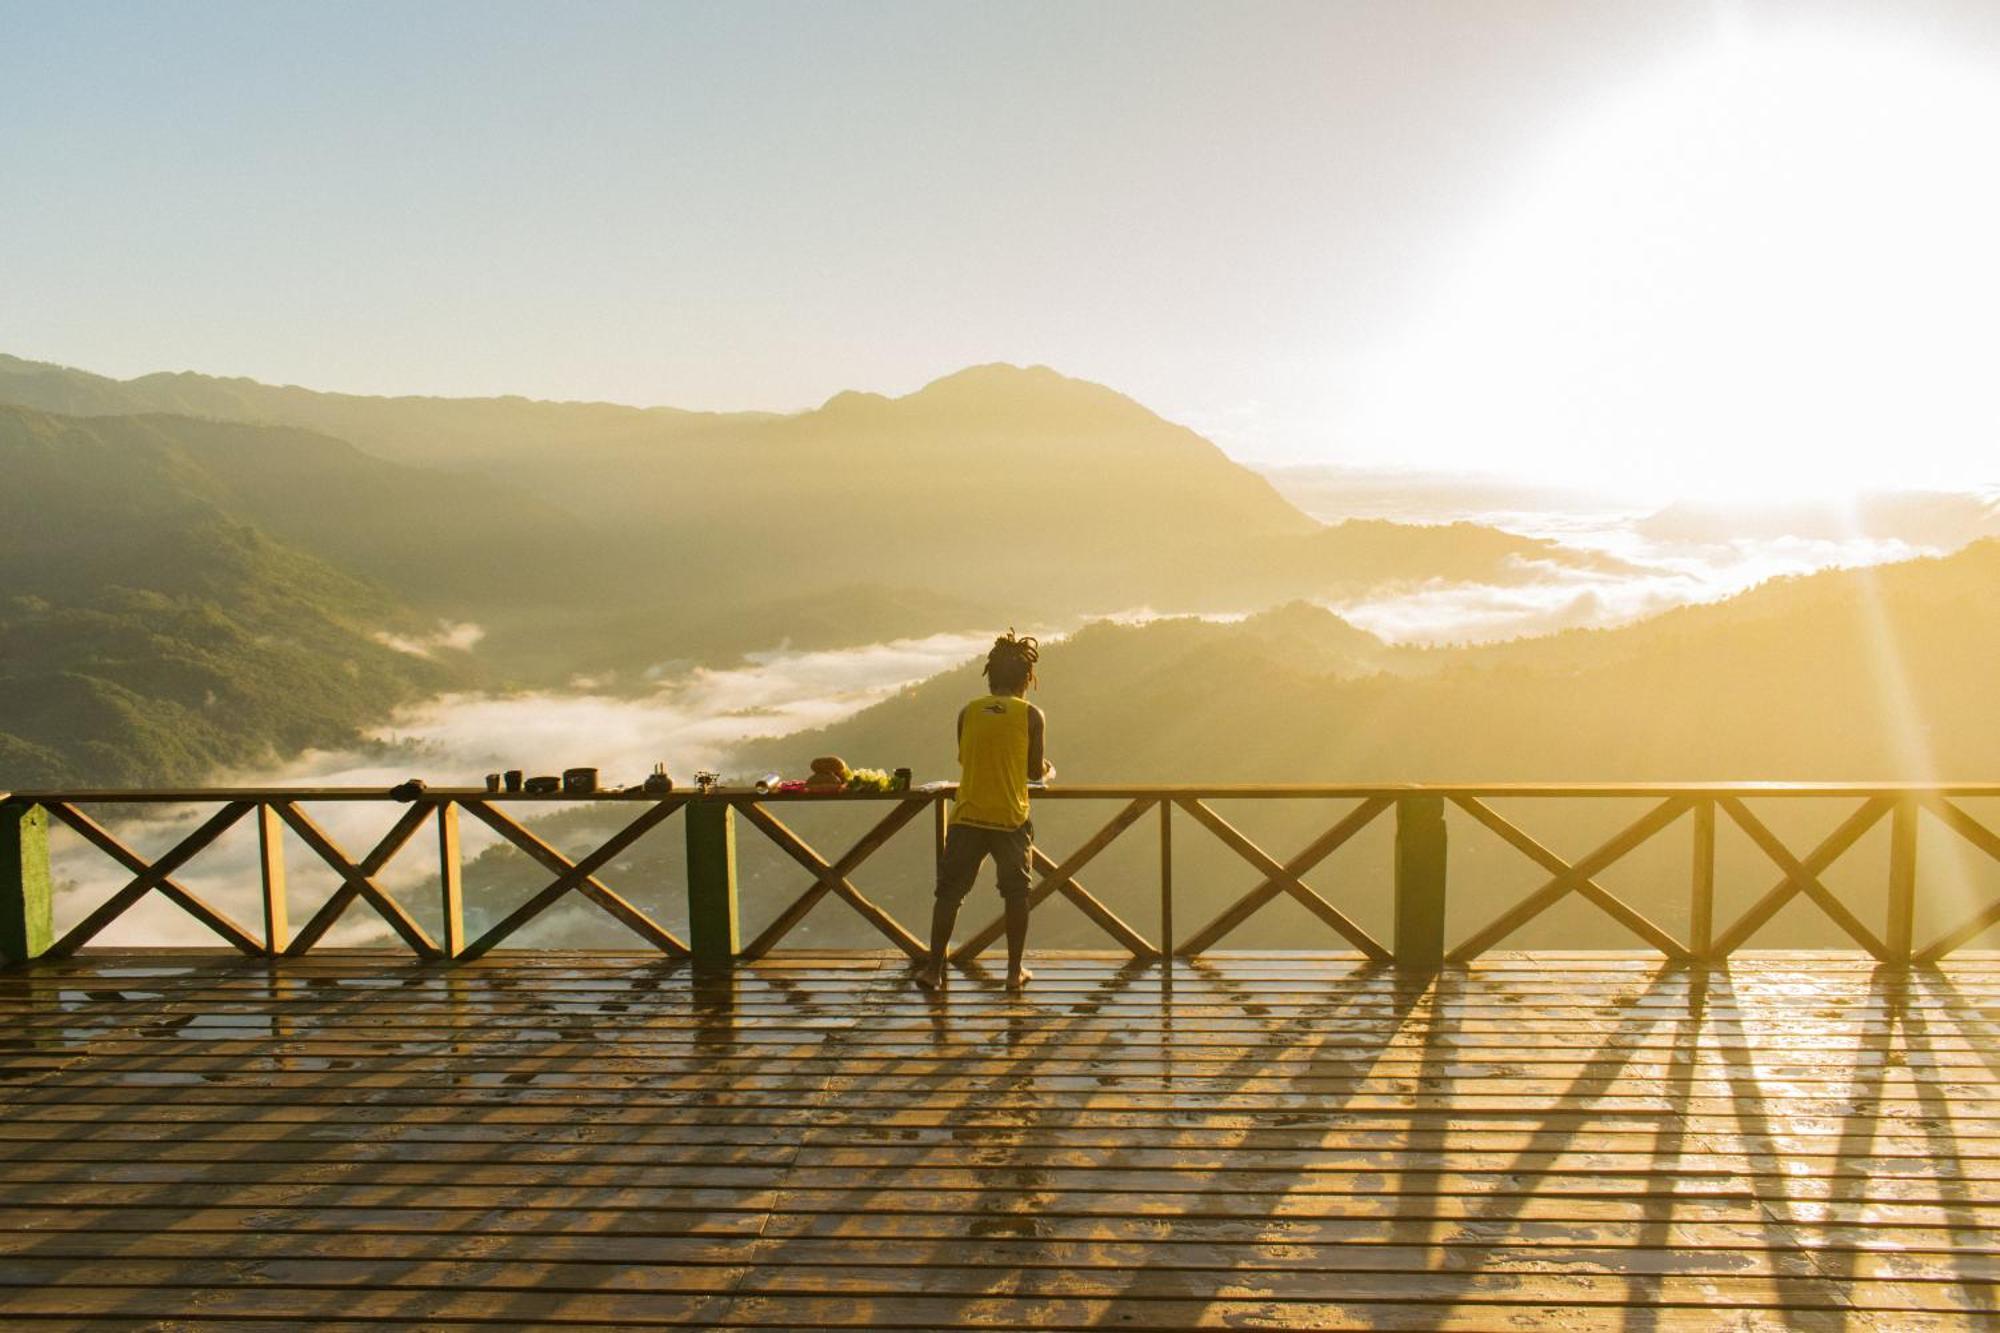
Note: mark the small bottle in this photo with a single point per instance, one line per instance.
(768, 784)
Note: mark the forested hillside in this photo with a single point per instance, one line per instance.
(147, 635)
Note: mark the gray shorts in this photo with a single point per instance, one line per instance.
(966, 845)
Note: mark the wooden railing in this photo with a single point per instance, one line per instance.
(1418, 881)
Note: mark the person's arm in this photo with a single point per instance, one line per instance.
(959, 733)
(1038, 764)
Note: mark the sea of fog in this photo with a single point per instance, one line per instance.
(694, 720)
(1649, 565)
(1655, 576)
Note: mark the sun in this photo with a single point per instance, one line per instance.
(1766, 272)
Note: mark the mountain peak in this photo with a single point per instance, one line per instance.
(1003, 386)
(999, 374)
(850, 400)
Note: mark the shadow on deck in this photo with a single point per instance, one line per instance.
(1589, 1140)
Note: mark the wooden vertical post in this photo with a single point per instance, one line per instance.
(1902, 878)
(451, 882)
(941, 829)
(1701, 902)
(711, 868)
(271, 858)
(27, 918)
(1167, 882)
(1420, 882)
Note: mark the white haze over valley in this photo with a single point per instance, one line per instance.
(1645, 573)
(694, 718)
(1552, 597)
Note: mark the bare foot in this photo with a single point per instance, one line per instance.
(1018, 978)
(930, 977)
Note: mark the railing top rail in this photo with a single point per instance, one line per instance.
(1062, 791)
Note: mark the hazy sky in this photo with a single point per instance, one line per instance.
(1712, 247)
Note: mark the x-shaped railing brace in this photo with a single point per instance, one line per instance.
(157, 874)
(1062, 879)
(357, 879)
(1803, 876)
(833, 877)
(1286, 878)
(580, 876)
(1572, 877)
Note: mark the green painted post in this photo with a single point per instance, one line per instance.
(27, 923)
(711, 862)
(1902, 880)
(1420, 882)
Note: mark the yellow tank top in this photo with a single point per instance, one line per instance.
(993, 763)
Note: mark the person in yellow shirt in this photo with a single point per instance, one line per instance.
(1000, 743)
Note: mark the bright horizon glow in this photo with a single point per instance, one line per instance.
(1768, 273)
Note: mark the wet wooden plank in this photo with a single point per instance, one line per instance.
(1205, 1312)
(401, 1306)
(411, 1218)
(1584, 1284)
(46, 1139)
(638, 1162)
(1684, 1254)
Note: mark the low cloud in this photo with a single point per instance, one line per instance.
(457, 636)
(1552, 597)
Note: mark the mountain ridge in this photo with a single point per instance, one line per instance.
(168, 640)
(1092, 501)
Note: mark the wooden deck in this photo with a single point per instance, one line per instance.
(1576, 1141)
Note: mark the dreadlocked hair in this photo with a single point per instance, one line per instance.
(1011, 664)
